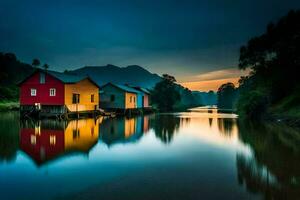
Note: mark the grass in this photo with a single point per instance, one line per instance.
(289, 107)
(9, 105)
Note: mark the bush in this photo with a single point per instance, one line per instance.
(253, 104)
(8, 93)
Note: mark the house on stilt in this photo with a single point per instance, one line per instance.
(119, 98)
(49, 93)
(145, 97)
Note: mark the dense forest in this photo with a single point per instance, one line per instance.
(272, 89)
(167, 95)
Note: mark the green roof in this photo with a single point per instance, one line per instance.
(66, 78)
(123, 87)
(63, 77)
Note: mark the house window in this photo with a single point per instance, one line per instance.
(33, 92)
(52, 92)
(75, 98)
(130, 99)
(92, 98)
(52, 139)
(112, 98)
(42, 78)
(33, 139)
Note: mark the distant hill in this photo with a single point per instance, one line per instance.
(207, 98)
(132, 75)
(12, 70)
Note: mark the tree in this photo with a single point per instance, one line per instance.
(274, 60)
(274, 57)
(36, 62)
(169, 78)
(226, 96)
(46, 66)
(165, 94)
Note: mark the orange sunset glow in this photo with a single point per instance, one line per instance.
(209, 85)
(214, 79)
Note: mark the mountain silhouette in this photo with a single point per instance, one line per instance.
(132, 75)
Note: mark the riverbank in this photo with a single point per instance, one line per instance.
(287, 111)
(9, 105)
(288, 118)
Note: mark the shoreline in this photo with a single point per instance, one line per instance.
(9, 106)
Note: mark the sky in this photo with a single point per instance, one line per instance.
(197, 41)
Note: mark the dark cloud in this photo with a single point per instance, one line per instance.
(165, 36)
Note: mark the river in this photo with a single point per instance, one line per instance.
(198, 154)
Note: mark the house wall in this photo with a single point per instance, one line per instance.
(146, 100)
(105, 96)
(42, 91)
(85, 88)
(140, 100)
(130, 104)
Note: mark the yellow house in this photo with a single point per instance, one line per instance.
(82, 95)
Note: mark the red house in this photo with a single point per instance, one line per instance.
(57, 93)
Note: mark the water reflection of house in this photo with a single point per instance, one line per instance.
(48, 139)
(123, 130)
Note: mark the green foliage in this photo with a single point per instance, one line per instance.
(165, 94)
(227, 96)
(9, 93)
(274, 59)
(12, 72)
(289, 106)
(253, 104)
(9, 105)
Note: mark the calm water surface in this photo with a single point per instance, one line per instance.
(199, 154)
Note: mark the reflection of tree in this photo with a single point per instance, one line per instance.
(255, 178)
(210, 121)
(185, 121)
(278, 149)
(165, 127)
(225, 125)
(9, 136)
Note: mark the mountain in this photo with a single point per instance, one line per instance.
(12, 71)
(132, 75)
